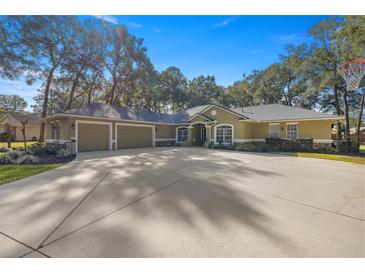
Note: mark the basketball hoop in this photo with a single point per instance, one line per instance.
(352, 72)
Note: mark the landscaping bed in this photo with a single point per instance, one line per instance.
(38, 153)
(299, 148)
(18, 162)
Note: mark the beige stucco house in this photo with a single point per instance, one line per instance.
(13, 123)
(104, 127)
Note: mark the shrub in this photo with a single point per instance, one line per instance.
(4, 137)
(347, 147)
(328, 150)
(29, 159)
(14, 156)
(4, 159)
(37, 149)
(249, 147)
(4, 149)
(290, 145)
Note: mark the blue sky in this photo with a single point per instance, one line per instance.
(223, 46)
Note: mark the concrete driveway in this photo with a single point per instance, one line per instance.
(186, 202)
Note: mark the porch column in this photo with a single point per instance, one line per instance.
(190, 136)
(208, 133)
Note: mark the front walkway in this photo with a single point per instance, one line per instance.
(186, 202)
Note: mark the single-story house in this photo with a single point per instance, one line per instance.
(96, 127)
(13, 123)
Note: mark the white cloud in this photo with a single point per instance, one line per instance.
(224, 23)
(157, 30)
(288, 38)
(134, 25)
(108, 18)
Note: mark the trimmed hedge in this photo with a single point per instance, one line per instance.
(270, 145)
(290, 145)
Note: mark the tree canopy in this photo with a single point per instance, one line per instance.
(84, 61)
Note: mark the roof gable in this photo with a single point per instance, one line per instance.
(205, 118)
(16, 119)
(223, 109)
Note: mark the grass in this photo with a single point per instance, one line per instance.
(362, 149)
(9, 173)
(17, 144)
(336, 157)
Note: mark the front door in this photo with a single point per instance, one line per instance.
(203, 134)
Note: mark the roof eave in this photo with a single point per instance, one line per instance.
(61, 115)
(299, 119)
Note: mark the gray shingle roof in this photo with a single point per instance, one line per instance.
(274, 112)
(114, 112)
(270, 112)
(33, 118)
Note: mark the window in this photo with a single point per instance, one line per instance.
(55, 130)
(274, 131)
(292, 131)
(224, 134)
(182, 134)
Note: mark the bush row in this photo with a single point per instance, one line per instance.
(277, 145)
(37, 153)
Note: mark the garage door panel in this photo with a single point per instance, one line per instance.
(93, 137)
(134, 137)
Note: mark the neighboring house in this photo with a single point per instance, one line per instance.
(353, 134)
(104, 127)
(13, 123)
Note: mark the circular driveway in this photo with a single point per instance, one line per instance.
(186, 202)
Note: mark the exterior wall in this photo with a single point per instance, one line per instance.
(165, 132)
(260, 131)
(318, 130)
(247, 130)
(30, 132)
(225, 117)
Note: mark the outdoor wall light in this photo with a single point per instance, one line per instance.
(73, 126)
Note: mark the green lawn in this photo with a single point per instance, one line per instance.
(344, 158)
(17, 144)
(9, 173)
(362, 149)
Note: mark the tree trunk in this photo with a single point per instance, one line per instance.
(72, 91)
(347, 128)
(45, 104)
(8, 136)
(89, 97)
(23, 132)
(110, 97)
(338, 112)
(359, 122)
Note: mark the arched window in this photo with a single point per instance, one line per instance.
(182, 134)
(224, 134)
